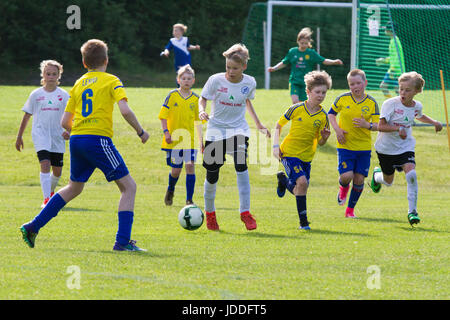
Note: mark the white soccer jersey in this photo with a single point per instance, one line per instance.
(227, 116)
(396, 114)
(47, 109)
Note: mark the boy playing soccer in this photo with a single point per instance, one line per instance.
(178, 115)
(46, 105)
(395, 144)
(302, 59)
(88, 117)
(358, 115)
(309, 128)
(228, 130)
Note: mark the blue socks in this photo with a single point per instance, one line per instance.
(123, 235)
(50, 211)
(355, 194)
(172, 182)
(301, 208)
(190, 185)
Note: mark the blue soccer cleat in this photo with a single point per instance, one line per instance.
(131, 246)
(282, 183)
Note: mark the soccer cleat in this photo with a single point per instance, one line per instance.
(28, 236)
(211, 221)
(305, 228)
(168, 199)
(189, 202)
(131, 246)
(52, 194)
(413, 218)
(247, 218)
(349, 213)
(340, 201)
(374, 185)
(46, 200)
(282, 181)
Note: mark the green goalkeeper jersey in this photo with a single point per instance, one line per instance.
(396, 59)
(301, 63)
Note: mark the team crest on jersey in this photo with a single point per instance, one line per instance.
(306, 56)
(365, 109)
(191, 106)
(175, 104)
(317, 123)
(300, 119)
(59, 97)
(245, 90)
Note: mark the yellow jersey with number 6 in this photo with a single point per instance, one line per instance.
(92, 100)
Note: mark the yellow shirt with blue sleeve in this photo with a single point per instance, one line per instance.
(301, 141)
(92, 100)
(357, 139)
(181, 114)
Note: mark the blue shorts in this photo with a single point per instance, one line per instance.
(176, 157)
(295, 168)
(356, 161)
(88, 152)
(390, 81)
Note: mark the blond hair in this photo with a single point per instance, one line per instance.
(317, 78)
(94, 53)
(180, 26)
(357, 72)
(238, 53)
(45, 63)
(417, 79)
(305, 33)
(185, 69)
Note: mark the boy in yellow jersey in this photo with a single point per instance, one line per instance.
(178, 116)
(358, 116)
(309, 128)
(88, 117)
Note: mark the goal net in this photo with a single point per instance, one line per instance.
(423, 32)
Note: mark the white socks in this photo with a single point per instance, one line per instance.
(209, 196)
(412, 189)
(46, 184)
(55, 181)
(378, 177)
(243, 182)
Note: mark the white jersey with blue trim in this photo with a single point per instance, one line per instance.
(227, 116)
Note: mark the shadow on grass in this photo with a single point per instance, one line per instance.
(301, 233)
(381, 220)
(420, 229)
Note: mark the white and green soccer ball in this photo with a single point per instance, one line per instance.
(191, 217)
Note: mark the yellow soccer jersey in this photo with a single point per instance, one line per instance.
(301, 141)
(357, 139)
(181, 114)
(92, 101)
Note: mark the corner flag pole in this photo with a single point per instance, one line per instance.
(445, 106)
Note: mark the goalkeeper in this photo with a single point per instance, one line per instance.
(395, 60)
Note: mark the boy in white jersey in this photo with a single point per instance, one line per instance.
(46, 104)
(395, 144)
(227, 130)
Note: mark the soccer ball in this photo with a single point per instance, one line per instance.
(191, 217)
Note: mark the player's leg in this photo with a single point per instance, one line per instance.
(190, 181)
(301, 187)
(55, 204)
(385, 174)
(57, 162)
(412, 188)
(346, 165)
(213, 160)
(238, 146)
(361, 171)
(384, 85)
(175, 161)
(45, 175)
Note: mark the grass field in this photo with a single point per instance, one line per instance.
(277, 261)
